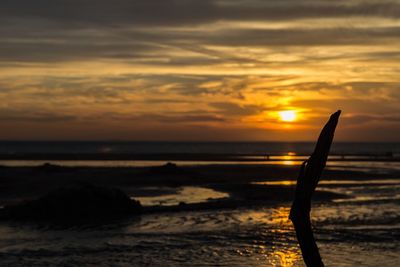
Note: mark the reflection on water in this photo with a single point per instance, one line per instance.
(287, 160)
(336, 182)
(186, 194)
(283, 254)
(290, 159)
(282, 249)
(242, 237)
(284, 182)
(280, 217)
(285, 258)
(140, 163)
(349, 233)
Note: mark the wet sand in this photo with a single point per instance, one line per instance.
(239, 181)
(355, 215)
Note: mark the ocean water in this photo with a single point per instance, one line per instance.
(376, 157)
(301, 148)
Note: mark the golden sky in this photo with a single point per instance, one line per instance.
(199, 70)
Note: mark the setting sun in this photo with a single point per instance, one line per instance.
(288, 115)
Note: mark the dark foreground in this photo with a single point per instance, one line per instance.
(206, 215)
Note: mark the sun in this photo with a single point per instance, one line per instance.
(288, 115)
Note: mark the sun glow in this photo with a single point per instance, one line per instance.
(288, 115)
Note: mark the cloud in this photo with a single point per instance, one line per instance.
(232, 109)
(169, 47)
(354, 119)
(156, 32)
(34, 116)
(180, 118)
(211, 63)
(74, 13)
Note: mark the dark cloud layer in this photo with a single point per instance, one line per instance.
(188, 12)
(53, 30)
(13, 115)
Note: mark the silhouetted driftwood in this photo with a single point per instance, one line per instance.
(307, 182)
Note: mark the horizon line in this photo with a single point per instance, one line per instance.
(182, 141)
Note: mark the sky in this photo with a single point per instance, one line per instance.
(209, 70)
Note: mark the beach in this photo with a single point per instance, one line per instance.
(215, 213)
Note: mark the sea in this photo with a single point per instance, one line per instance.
(362, 229)
(152, 147)
(135, 154)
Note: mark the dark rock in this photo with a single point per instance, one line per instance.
(76, 202)
(168, 169)
(48, 167)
